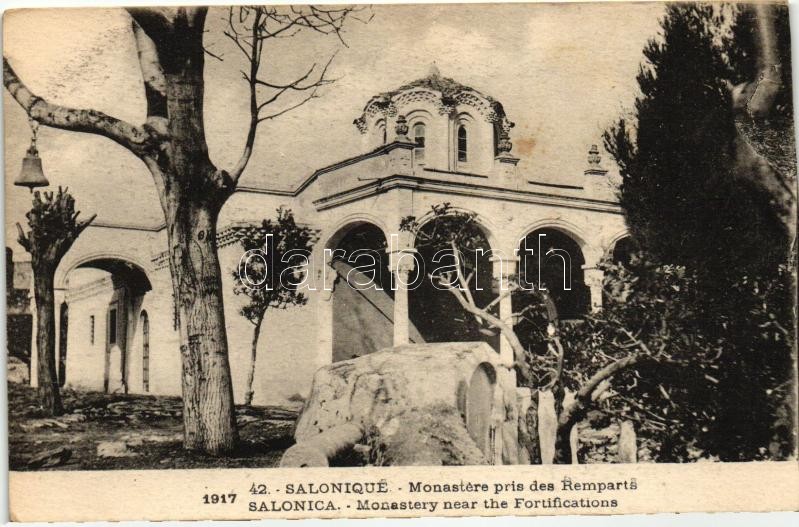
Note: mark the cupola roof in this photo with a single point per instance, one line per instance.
(445, 93)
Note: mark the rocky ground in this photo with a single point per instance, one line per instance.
(113, 431)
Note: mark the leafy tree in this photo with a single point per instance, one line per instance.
(54, 227)
(270, 273)
(706, 187)
(171, 142)
(689, 353)
(685, 201)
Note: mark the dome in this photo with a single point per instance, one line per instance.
(445, 94)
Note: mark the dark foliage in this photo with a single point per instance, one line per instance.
(705, 384)
(683, 200)
(691, 206)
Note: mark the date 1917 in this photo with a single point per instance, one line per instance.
(214, 499)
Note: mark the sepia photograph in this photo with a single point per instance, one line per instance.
(293, 237)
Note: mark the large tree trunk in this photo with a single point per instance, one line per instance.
(49, 395)
(208, 412)
(192, 193)
(248, 395)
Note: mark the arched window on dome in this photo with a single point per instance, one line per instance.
(381, 131)
(463, 144)
(419, 140)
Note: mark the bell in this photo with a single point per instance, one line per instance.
(31, 175)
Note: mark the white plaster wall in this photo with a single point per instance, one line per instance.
(86, 361)
(165, 365)
(287, 356)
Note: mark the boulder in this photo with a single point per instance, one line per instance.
(427, 404)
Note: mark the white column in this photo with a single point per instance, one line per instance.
(325, 283)
(402, 264)
(503, 269)
(593, 279)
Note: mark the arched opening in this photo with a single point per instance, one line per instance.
(435, 311)
(362, 299)
(102, 294)
(463, 144)
(623, 250)
(144, 323)
(63, 319)
(419, 141)
(480, 407)
(551, 259)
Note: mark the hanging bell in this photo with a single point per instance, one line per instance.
(31, 175)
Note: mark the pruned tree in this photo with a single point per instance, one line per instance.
(171, 142)
(54, 227)
(270, 273)
(540, 367)
(455, 233)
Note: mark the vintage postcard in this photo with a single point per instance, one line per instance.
(353, 261)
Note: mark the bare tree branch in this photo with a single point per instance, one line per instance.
(519, 353)
(313, 95)
(583, 396)
(249, 28)
(153, 78)
(132, 137)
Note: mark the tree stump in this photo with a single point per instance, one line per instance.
(428, 404)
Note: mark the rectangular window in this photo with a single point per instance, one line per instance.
(112, 326)
(91, 329)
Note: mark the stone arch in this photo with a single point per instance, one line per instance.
(566, 227)
(380, 133)
(559, 266)
(360, 306)
(107, 294)
(418, 115)
(466, 123)
(435, 312)
(621, 248)
(335, 234)
(100, 260)
(613, 240)
(486, 226)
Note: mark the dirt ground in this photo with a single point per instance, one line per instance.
(102, 431)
